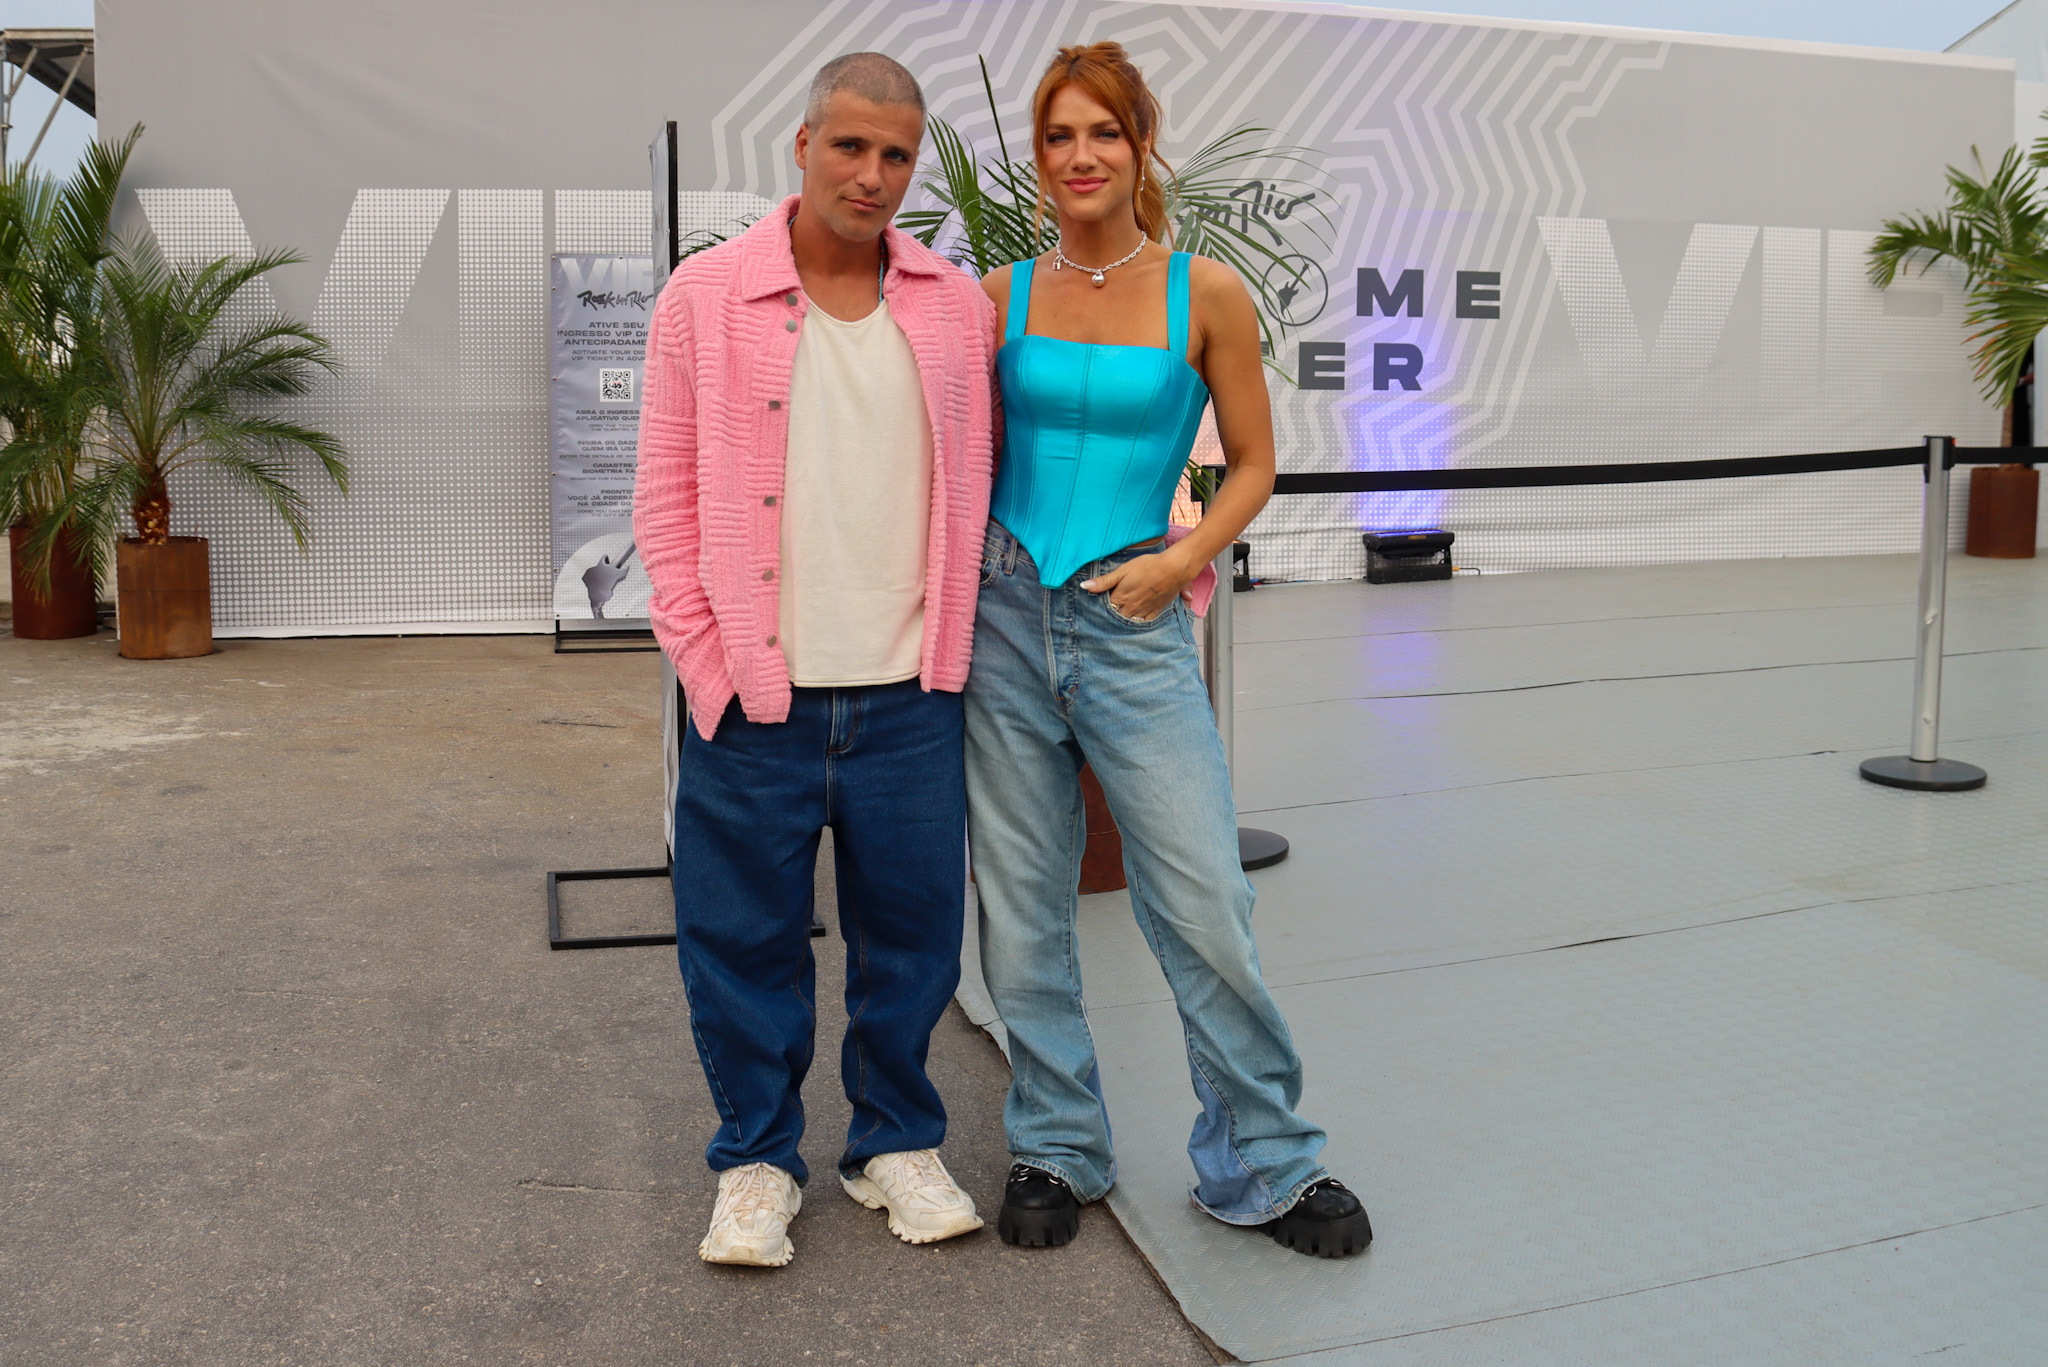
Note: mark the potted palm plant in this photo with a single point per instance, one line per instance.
(53, 239)
(179, 384)
(1996, 227)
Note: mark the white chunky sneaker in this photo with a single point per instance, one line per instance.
(924, 1203)
(750, 1223)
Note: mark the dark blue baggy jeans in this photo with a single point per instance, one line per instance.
(882, 767)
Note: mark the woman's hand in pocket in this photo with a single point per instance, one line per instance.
(1145, 586)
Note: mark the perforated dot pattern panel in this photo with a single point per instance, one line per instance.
(439, 402)
(615, 222)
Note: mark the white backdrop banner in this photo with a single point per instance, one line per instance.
(1546, 245)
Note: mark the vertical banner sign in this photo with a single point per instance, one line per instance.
(597, 342)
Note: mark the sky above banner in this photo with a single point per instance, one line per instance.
(72, 129)
(1928, 25)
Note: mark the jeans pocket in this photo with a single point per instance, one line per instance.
(995, 550)
(1138, 623)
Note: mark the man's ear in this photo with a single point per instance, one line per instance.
(803, 146)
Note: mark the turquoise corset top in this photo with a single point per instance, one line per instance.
(1094, 436)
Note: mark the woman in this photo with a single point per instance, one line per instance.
(1084, 651)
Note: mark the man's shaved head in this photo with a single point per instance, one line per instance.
(870, 75)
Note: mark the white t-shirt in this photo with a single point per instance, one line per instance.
(857, 505)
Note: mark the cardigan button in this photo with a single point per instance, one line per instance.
(789, 326)
(774, 404)
(768, 501)
(767, 575)
(771, 640)
(789, 299)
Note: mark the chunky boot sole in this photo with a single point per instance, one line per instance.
(1323, 1238)
(1039, 1228)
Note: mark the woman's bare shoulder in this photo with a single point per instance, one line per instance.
(996, 285)
(1217, 279)
(1218, 292)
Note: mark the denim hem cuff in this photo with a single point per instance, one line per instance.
(1264, 1213)
(1081, 1192)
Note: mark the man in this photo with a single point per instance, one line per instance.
(815, 455)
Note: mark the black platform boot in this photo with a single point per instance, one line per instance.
(1326, 1222)
(1039, 1210)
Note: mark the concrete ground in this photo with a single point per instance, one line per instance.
(290, 1075)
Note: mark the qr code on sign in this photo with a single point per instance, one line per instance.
(615, 386)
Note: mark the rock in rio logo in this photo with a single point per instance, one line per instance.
(1256, 202)
(1299, 289)
(1293, 285)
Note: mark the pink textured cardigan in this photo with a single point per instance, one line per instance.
(714, 430)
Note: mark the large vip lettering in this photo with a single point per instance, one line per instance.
(502, 266)
(376, 262)
(1589, 280)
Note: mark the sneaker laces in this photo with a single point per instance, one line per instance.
(753, 1191)
(1021, 1171)
(922, 1166)
(919, 1176)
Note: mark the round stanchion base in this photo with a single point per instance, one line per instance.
(1924, 775)
(1258, 849)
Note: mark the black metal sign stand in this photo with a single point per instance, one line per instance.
(667, 251)
(604, 640)
(556, 940)
(661, 158)
(556, 877)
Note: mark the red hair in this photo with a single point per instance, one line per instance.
(1104, 71)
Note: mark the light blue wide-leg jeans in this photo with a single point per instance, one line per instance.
(1061, 677)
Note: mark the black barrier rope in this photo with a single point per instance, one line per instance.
(1919, 768)
(1995, 455)
(1636, 472)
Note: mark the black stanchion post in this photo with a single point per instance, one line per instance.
(1922, 768)
(1256, 849)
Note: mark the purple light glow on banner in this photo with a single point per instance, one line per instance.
(1410, 433)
